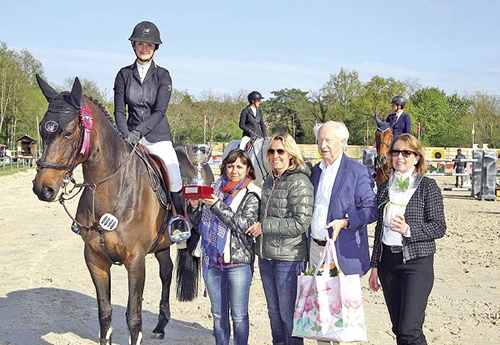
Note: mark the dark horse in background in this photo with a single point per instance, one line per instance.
(77, 130)
(383, 140)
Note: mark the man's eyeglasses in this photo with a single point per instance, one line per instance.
(281, 152)
(405, 153)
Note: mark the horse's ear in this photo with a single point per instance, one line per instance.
(76, 94)
(47, 90)
(381, 124)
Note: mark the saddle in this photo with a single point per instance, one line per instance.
(158, 173)
(249, 145)
(159, 180)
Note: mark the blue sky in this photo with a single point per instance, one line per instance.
(230, 46)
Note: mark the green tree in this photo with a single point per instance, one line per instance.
(433, 112)
(19, 99)
(486, 119)
(290, 111)
(461, 112)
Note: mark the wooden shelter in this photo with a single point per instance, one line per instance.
(26, 146)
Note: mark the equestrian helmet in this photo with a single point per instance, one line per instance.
(146, 32)
(254, 95)
(399, 100)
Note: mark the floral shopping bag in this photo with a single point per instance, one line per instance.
(329, 308)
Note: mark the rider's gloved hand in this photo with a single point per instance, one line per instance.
(134, 137)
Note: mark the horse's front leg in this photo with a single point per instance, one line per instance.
(136, 268)
(101, 276)
(166, 268)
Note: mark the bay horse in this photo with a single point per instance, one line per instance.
(119, 216)
(383, 140)
(258, 156)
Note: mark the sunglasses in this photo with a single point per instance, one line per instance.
(281, 152)
(405, 153)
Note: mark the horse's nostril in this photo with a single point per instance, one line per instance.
(47, 193)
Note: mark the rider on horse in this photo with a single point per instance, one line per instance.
(399, 121)
(142, 90)
(252, 120)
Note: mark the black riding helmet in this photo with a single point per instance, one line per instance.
(253, 96)
(399, 100)
(146, 32)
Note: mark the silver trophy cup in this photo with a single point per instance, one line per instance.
(198, 155)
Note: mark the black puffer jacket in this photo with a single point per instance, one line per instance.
(286, 212)
(241, 245)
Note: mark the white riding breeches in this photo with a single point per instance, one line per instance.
(166, 152)
(244, 141)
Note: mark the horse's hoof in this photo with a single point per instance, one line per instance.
(107, 340)
(158, 335)
(139, 339)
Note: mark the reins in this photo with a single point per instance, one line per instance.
(92, 188)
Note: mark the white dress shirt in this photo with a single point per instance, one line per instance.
(143, 70)
(322, 199)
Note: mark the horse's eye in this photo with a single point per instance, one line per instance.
(67, 135)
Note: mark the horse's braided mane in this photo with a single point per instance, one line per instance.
(105, 112)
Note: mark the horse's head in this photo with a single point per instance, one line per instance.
(383, 136)
(383, 140)
(63, 132)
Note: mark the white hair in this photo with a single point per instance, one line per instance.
(339, 130)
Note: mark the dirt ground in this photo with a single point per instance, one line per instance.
(47, 297)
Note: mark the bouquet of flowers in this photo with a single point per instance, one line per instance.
(333, 270)
(401, 189)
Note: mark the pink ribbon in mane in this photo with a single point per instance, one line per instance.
(86, 118)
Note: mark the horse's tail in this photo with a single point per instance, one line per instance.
(188, 268)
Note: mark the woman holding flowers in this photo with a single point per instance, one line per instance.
(411, 217)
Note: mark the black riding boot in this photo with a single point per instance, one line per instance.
(179, 228)
(177, 201)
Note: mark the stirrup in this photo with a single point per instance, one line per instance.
(179, 229)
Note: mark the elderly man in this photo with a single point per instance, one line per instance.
(344, 202)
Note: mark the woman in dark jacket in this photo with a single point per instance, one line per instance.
(141, 94)
(252, 120)
(227, 252)
(286, 211)
(411, 218)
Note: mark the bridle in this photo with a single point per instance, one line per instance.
(69, 167)
(70, 163)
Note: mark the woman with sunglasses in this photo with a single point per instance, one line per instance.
(411, 218)
(285, 213)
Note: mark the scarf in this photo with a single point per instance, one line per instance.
(214, 232)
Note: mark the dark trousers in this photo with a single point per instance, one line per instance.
(406, 288)
(459, 170)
